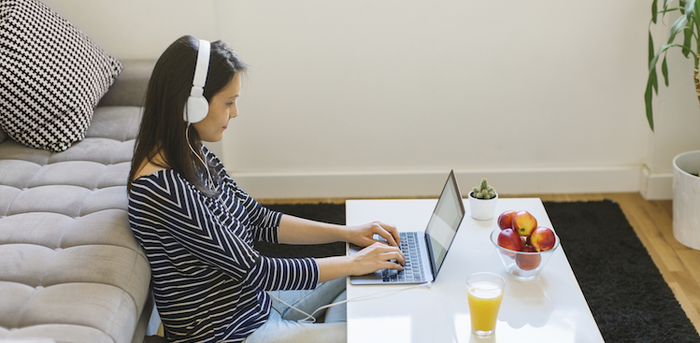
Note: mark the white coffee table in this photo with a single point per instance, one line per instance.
(550, 308)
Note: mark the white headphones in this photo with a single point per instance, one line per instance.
(197, 106)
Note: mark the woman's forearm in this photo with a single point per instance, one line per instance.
(375, 256)
(295, 230)
(333, 267)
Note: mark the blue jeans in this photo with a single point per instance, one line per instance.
(282, 325)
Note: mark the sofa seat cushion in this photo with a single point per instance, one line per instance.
(70, 268)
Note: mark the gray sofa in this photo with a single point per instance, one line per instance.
(70, 269)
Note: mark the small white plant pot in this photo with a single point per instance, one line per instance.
(482, 209)
(686, 199)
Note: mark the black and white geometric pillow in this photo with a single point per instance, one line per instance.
(51, 76)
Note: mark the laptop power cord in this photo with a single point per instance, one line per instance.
(378, 295)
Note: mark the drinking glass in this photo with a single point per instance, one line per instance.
(484, 294)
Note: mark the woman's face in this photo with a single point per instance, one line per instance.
(222, 107)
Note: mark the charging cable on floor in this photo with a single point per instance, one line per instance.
(311, 319)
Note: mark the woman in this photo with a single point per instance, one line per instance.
(198, 227)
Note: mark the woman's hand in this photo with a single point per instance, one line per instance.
(375, 257)
(362, 235)
(368, 260)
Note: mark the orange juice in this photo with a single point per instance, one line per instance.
(484, 294)
(484, 301)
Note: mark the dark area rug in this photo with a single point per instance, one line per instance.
(628, 297)
(625, 291)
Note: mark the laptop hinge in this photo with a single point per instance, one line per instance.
(426, 236)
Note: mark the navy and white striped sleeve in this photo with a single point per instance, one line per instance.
(264, 221)
(187, 214)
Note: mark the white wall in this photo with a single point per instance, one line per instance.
(381, 98)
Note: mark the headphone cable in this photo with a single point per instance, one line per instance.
(187, 137)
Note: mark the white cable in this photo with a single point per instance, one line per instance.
(311, 319)
(187, 136)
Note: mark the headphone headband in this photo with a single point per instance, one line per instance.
(197, 106)
(201, 69)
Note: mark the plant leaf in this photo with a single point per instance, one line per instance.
(689, 7)
(662, 49)
(654, 11)
(696, 11)
(651, 47)
(687, 39)
(690, 17)
(677, 27)
(666, 9)
(647, 101)
(669, 10)
(664, 70)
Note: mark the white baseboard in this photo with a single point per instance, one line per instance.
(656, 186)
(428, 183)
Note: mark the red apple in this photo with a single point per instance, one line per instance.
(542, 239)
(528, 261)
(505, 220)
(524, 223)
(510, 240)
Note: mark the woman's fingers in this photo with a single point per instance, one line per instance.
(389, 254)
(375, 257)
(388, 232)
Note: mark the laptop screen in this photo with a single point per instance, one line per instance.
(444, 222)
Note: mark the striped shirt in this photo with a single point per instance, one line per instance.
(209, 282)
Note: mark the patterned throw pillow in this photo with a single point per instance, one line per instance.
(51, 76)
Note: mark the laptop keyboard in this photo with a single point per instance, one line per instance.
(413, 269)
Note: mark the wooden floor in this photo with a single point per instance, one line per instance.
(651, 220)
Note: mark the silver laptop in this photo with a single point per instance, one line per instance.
(424, 251)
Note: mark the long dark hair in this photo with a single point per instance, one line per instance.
(163, 129)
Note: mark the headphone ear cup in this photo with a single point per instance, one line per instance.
(196, 109)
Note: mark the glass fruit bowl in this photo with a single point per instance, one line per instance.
(523, 265)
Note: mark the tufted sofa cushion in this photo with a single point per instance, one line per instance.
(70, 268)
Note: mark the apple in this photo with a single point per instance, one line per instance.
(509, 239)
(542, 239)
(524, 223)
(505, 220)
(528, 261)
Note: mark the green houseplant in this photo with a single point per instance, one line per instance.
(686, 183)
(689, 25)
(482, 201)
(483, 190)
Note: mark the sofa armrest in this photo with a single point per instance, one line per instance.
(129, 88)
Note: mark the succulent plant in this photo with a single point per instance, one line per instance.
(484, 190)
